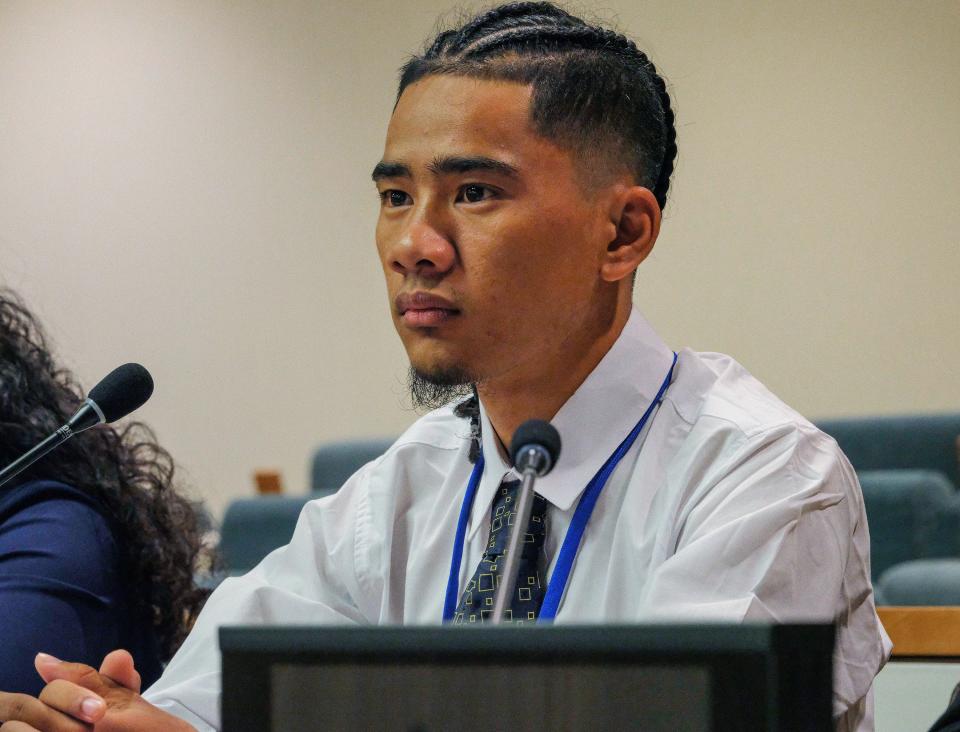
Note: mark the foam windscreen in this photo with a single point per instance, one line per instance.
(536, 432)
(121, 391)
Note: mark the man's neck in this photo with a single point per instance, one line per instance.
(539, 394)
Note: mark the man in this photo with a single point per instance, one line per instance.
(525, 169)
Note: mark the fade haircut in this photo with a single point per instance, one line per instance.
(594, 92)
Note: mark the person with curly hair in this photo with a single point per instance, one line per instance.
(97, 546)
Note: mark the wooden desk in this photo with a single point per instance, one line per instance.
(922, 631)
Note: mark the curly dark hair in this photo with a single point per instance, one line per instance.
(124, 468)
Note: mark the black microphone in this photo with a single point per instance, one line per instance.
(535, 446)
(534, 449)
(121, 391)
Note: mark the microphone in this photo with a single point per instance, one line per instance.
(534, 449)
(535, 446)
(121, 391)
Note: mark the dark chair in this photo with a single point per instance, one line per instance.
(912, 514)
(928, 442)
(921, 582)
(334, 462)
(254, 527)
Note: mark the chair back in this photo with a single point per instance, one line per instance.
(928, 442)
(254, 527)
(912, 514)
(921, 582)
(334, 462)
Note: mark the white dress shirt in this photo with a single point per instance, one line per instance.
(730, 506)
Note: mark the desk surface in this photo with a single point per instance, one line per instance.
(923, 631)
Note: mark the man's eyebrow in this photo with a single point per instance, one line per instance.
(446, 166)
(385, 169)
(441, 166)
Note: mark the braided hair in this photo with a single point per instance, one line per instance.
(593, 92)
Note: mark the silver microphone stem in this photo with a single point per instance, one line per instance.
(511, 558)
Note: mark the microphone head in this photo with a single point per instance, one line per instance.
(121, 391)
(542, 437)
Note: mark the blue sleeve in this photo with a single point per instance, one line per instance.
(59, 583)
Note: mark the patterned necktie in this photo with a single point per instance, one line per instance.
(476, 603)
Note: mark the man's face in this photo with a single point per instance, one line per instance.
(490, 246)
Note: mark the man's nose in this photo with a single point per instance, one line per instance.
(424, 250)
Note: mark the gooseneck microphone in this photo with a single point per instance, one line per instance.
(121, 391)
(534, 449)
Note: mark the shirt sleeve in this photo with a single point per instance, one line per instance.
(58, 584)
(777, 533)
(314, 580)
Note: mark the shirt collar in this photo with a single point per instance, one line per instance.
(592, 422)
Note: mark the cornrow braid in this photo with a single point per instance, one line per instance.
(441, 43)
(553, 37)
(662, 185)
(501, 17)
(621, 43)
(593, 92)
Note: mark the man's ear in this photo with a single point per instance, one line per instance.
(635, 215)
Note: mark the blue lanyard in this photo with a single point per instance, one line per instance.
(571, 542)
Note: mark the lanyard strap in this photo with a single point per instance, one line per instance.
(453, 584)
(578, 525)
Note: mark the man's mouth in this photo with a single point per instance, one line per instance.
(424, 310)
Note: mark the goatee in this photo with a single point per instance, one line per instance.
(430, 390)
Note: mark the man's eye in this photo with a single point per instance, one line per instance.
(475, 193)
(395, 198)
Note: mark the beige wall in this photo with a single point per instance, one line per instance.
(186, 184)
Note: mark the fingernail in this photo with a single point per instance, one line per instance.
(47, 658)
(91, 706)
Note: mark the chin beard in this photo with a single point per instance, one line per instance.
(430, 390)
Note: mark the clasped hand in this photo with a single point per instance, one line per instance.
(78, 697)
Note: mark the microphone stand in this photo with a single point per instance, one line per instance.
(533, 458)
(25, 461)
(86, 416)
